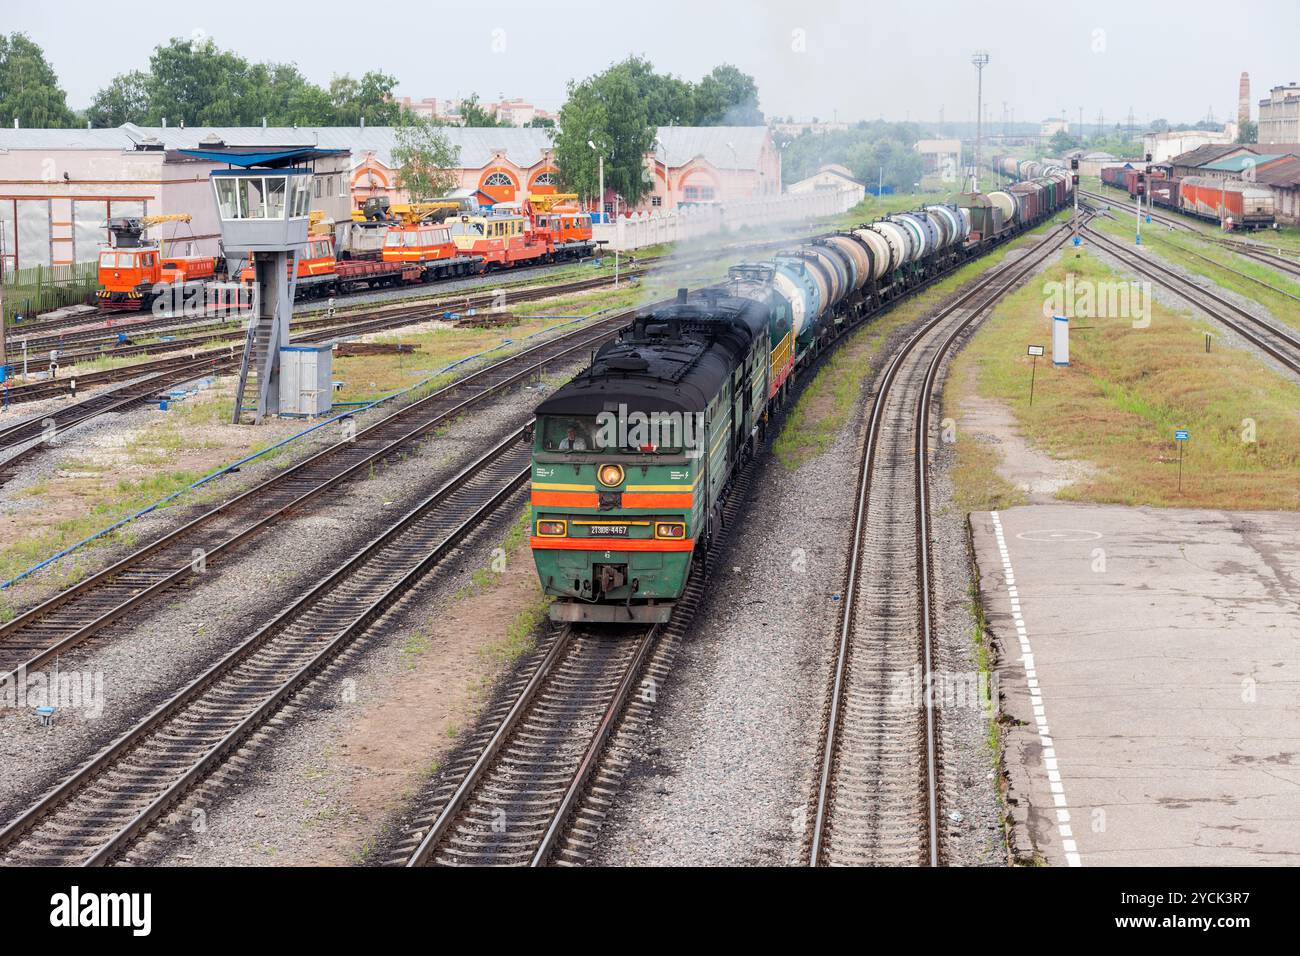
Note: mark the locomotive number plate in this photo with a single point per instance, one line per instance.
(607, 530)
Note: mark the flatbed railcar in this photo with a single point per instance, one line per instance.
(633, 458)
(403, 253)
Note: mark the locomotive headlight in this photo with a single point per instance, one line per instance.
(552, 529)
(670, 529)
(610, 475)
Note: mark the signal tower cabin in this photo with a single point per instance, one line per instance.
(263, 201)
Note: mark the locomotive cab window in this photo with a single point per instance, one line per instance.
(567, 433)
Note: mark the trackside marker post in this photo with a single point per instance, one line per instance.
(1034, 352)
(1180, 437)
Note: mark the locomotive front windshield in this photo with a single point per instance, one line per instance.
(645, 435)
(568, 433)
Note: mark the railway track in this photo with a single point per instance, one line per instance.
(95, 813)
(511, 795)
(1281, 343)
(307, 330)
(878, 785)
(1214, 262)
(1245, 248)
(531, 787)
(87, 609)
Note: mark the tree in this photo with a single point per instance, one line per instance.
(1061, 141)
(369, 99)
(605, 110)
(424, 157)
(541, 122)
(29, 87)
(1248, 132)
(197, 83)
(124, 100)
(727, 97)
(473, 114)
(669, 101)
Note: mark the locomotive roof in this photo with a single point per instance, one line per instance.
(675, 358)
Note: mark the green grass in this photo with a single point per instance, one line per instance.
(1117, 405)
(1191, 252)
(827, 403)
(113, 502)
(520, 636)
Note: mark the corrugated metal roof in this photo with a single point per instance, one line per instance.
(523, 145)
(1205, 154)
(1286, 175)
(1236, 164)
(727, 147)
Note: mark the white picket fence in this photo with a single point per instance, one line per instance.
(648, 229)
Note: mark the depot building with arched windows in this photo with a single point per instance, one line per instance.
(58, 187)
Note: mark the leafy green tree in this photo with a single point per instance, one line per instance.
(605, 110)
(1060, 142)
(424, 157)
(865, 149)
(280, 93)
(541, 122)
(369, 98)
(472, 113)
(29, 88)
(196, 83)
(669, 101)
(1248, 132)
(727, 97)
(124, 100)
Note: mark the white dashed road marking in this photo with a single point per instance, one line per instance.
(1036, 701)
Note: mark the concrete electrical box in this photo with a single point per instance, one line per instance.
(306, 379)
(1060, 340)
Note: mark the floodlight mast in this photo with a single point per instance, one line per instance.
(980, 59)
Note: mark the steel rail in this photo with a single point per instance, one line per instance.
(1188, 291)
(514, 368)
(1011, 273)
(209, 683)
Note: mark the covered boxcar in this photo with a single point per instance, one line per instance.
(1231, 202)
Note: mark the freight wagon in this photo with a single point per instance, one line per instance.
(633, 457)
(1232, 203)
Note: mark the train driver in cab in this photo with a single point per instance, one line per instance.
(572, 441)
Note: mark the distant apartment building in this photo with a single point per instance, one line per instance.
(1165, 146)
(1050, 127)
(512, 112)
(1279, 115)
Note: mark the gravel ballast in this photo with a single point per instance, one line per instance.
(726, 773)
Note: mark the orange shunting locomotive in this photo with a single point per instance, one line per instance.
(134, 272)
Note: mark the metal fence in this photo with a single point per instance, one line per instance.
(41, 288)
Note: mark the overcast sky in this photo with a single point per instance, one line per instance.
(827, 58)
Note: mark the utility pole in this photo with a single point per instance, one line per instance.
(980, 60)
(4, 330)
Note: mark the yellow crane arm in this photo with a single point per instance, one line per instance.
(546, 202)
(412, 212)
(148, 221)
